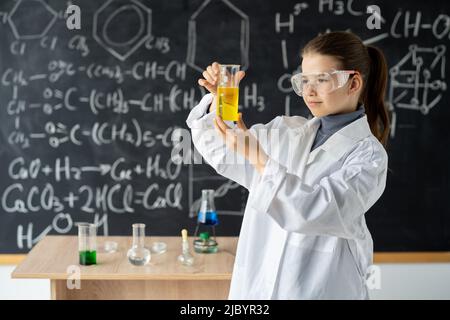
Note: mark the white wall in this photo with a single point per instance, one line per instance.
(398, 281)
(414, 281)
(22, 288)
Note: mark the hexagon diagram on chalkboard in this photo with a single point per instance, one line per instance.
(418, 78)
(42, 15)
(226, 40)
(122, 26)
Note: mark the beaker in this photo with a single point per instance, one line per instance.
(228, 92)
(138, 254)
(87, 243)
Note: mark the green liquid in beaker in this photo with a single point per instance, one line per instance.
(88, 257)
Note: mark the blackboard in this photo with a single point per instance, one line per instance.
(87, 115)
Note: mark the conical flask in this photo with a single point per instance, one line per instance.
(207, 214)
(207, 220)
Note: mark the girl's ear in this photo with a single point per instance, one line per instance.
(356, 84)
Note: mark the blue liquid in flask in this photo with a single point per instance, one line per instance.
(208, 218)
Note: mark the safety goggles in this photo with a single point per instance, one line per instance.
(322, 82)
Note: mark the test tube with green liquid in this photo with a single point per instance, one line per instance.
(87, 243)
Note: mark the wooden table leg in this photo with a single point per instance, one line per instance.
(58, 289)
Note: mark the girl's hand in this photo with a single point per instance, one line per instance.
(243, 142)
(210, 81)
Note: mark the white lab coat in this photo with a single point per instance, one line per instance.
(303, 234)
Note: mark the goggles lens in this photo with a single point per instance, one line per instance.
(321, 82)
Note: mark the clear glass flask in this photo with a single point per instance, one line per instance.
(138, 254)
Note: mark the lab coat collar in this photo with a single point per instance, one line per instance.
(341, 141)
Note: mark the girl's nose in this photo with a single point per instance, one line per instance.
(310, 90)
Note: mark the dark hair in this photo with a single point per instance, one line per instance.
(370, 62)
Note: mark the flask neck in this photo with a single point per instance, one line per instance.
(138, 235)
(185, 246)
(207, 204)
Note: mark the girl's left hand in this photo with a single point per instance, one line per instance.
(243, 142)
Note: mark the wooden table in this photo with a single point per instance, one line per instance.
(56, 258)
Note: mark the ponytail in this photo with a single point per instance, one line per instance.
(374, 93)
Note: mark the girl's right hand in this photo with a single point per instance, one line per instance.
(210, 78)
(210, 81)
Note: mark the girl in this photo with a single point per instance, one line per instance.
(310, 182)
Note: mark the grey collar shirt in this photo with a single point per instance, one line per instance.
(332, 123)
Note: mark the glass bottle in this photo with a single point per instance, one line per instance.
(138, 254)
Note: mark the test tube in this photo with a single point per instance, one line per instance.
(87, 243)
